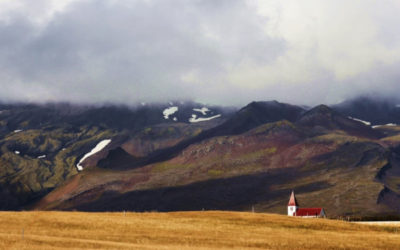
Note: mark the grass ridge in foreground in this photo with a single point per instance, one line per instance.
(187, 230)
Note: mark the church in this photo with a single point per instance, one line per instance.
(295, 210)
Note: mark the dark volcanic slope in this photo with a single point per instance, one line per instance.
(324, 118)
(40, 145)
(256, 114)
(249, 117)
(329, 159)
(253, 157)
(258, 168)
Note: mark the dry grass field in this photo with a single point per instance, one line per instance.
(187, 230)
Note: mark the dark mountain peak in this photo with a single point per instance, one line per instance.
(325, 118)
(268, 104)
(273, 109)
(258, 113)
(252, 106)
(320, 109)
(321, 116)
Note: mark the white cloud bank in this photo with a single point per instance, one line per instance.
(214, 51)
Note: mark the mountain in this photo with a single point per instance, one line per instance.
(41, 145)
(251, 116)
(258, 113)
(327, 157)
(256, 168)
(143, 159)
(324, 118)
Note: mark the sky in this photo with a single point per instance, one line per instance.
(224, 52)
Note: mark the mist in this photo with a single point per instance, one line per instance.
(211, 51)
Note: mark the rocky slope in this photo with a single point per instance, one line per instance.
(206, 158)
(41, 145)
(250, 161)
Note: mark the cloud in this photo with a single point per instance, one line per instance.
(215, 51)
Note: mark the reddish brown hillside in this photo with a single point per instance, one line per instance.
(258, 168)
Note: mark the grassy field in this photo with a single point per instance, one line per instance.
(187, 230)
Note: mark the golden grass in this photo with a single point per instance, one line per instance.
(186, 230)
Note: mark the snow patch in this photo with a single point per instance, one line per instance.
(41, 156)
(17, 130)
(389, 125)
(143, 103)
(17, 152)
(202, 119)
(175, 119)
(203, 110)
(169, 111)
(359, 120)
(96, 149)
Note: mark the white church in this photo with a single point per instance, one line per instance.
(295, 210)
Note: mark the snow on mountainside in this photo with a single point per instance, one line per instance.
(194, 118)
(170, 111)
(96, 149)
(190, 112)
(389, 125)
(203, 110)
(359, 120)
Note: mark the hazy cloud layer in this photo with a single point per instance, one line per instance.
(215, 51)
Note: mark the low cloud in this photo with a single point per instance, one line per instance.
(221, 52)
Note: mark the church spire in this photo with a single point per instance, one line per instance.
(292, 200)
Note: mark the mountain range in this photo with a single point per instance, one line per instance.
(190, 156)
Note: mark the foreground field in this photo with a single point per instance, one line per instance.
(186, 230)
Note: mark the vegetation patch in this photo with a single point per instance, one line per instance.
(215, 172)
(252, 156)
(165, 166)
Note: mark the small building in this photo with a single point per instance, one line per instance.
(295, 210)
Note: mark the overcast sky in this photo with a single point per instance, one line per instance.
(213, 51)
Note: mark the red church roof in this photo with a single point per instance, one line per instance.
(292, 200)
(308, 211)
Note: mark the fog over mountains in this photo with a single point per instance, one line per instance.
(218, 52)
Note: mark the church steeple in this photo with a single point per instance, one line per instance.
(292, 200)
(292, 205)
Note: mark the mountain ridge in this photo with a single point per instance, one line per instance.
(264, 149)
